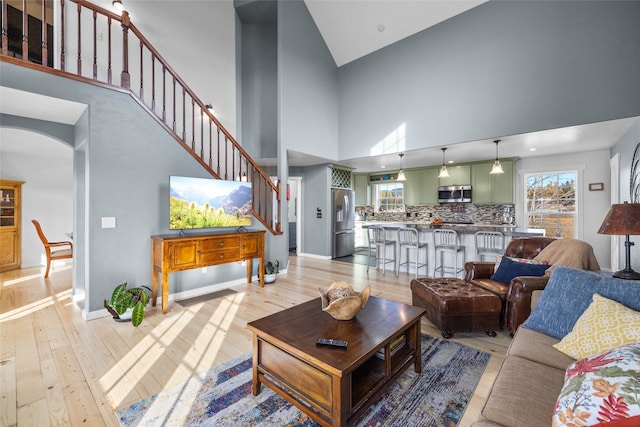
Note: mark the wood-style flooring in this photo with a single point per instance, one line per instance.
(57, 369)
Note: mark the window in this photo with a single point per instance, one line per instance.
(551, 203)
(389, 197)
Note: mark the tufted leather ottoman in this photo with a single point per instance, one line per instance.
(454, 305)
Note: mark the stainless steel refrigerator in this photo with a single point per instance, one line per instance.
(343, 216)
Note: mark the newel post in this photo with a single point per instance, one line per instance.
(125, 77)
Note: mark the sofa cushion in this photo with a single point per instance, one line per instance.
(568, 294)
(601, 388)
(538, 347)
(604, 324)
(507, 268)
(523, 394)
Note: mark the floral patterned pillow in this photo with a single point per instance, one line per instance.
(603, 388)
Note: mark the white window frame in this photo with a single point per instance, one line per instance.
(377, 188)
(577, 175)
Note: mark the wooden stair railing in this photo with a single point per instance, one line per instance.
(158, 89)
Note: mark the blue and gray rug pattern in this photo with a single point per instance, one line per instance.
(222, 396)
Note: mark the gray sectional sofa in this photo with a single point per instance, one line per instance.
(532, 374)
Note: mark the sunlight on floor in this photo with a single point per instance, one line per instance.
(117, 381)
(27, 309)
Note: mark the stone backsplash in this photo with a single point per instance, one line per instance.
(458, 212)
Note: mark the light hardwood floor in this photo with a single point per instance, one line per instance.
(57, 369)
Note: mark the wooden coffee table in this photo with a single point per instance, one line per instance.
(333, 385)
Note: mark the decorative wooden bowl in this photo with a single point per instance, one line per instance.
(342, 302)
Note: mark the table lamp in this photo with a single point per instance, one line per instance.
(623, 219)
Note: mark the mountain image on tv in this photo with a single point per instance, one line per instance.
(208, 203)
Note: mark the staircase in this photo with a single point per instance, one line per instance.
(147, 77)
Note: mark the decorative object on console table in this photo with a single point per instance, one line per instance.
(623, 219)
(342, 302)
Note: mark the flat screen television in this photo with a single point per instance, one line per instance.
(208, 203)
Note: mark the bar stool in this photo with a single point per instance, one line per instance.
(445, 240)
(409, 239)
(489, 243)
(378, 242)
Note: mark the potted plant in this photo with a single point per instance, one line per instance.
(128, 304)
(270, 271)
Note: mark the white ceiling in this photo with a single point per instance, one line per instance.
(354, 28)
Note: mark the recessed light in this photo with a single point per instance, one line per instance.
(532, 149)
(383, 167)
(381, 27)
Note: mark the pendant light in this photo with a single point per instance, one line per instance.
(117, 6)
(444, 173)
(401, 176)
(497, 167)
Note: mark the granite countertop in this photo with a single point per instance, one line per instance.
(507, 230)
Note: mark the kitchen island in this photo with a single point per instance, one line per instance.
(466, 234)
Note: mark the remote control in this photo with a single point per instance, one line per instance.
(331, 342)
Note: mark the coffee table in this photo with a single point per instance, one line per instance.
(334, 385)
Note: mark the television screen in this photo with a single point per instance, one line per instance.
(208, 203)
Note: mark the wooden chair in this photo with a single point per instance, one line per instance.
(53, 250)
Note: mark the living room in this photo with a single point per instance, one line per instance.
(137, 208)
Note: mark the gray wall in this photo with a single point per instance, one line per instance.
(308, 116)
(122, 169)
(625, 147)
(502, 68)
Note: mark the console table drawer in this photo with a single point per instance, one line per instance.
(220, 256)
(227, 242)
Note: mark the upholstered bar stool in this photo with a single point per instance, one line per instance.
(409, 240)
(489, 243)
(378, 242)
(446, 241)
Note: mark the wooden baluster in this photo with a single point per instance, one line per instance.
(125, 77)
(203, 115)
(79, 61)
(45, 46)
(174, 103)
(210, 143)
(218, 152)
(226, 157)
(5, 29)
(141, 74)
(193, 125)
(153, 84)
(95, 46)
(62, 21)
(109, 49)
(184, 115)
(25, 31)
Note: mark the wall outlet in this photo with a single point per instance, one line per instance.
(108, 222)
(204, 270)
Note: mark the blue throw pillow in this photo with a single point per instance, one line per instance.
(508, 269)
(569, 293)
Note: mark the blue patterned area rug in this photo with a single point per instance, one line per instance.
(222, 396)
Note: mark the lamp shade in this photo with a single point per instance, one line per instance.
(622, 219)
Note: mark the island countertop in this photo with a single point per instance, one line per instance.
(507, 230)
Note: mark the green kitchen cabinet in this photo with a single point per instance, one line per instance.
(430, 183)
(492, 189)
(361, 189)
(413, 187)
(458, 175)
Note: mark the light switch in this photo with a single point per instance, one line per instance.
(108, 222)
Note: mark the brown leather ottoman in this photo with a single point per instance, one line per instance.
(454, 305)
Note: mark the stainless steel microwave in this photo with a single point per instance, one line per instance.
(454, 194)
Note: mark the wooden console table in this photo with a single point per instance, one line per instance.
(171, 253)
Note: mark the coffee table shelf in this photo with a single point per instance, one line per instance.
(335, 386)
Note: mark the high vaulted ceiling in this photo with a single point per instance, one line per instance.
(354, 28)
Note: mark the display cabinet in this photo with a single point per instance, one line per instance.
(10, 223)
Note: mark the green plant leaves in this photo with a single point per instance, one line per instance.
(138, 314)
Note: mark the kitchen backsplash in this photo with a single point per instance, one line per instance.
(458, 212)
